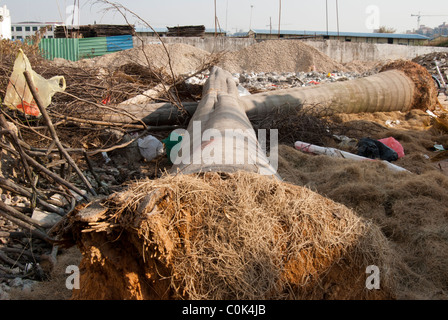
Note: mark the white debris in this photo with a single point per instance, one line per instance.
(150, 147)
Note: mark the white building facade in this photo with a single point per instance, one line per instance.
(23, 30)
(5, 23)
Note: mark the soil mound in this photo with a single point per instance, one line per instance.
(266, 56)
(225, 236)
(279, 56)
(182, 58)
(363, 67)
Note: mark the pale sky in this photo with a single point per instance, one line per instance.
(236, 15)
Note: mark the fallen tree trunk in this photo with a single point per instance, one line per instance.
(231, 233)
(220, 137)
(401, 86)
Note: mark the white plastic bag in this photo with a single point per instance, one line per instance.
(18, 95)
(150, 147)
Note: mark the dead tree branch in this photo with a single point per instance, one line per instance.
(47, 119)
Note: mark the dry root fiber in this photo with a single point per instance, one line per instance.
(425, 95)
(225, 236)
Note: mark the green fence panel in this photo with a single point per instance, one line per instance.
(92, 47)
(60, 48)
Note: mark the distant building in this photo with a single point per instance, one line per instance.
(23, 30)
(390, 38)
(5, 23)
(441, 30)
(426, 31)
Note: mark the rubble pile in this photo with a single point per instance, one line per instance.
(263, 81)
(431, 60)
(254, 82)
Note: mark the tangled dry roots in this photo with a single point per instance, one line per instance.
(226, 236)
(425, 95)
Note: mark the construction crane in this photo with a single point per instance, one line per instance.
(419, 16)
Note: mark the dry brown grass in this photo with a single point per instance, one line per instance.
(410, 209)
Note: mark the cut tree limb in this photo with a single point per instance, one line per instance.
(153, 113)
(26, 226)
(15, 142)
(10, 261)
(54, 135)
(15, 188)
(16, 214)
(21, 252)
(55, 177)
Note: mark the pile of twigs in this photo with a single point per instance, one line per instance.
(38, 175)
(313, 125)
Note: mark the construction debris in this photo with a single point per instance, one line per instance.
(332, 152)
(92, 31)
(431, 60)
(264, 81)
(186, 31)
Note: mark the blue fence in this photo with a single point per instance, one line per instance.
(119, 43)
